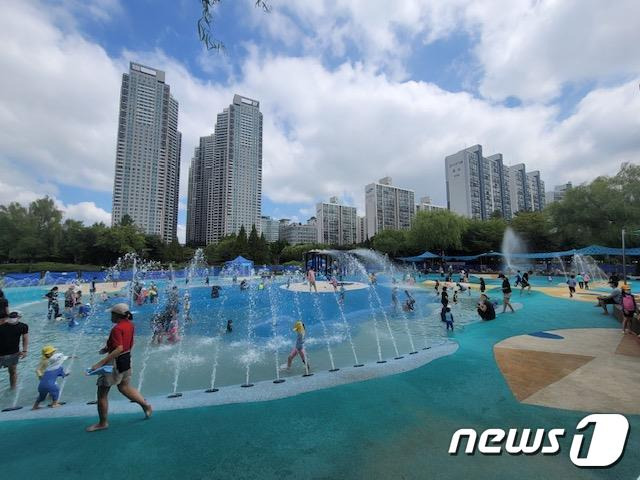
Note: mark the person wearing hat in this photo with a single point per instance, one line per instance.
(48, 371)
(298, 349)
(118, 350)
(11, 331)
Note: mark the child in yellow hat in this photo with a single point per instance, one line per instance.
(48, 371)
(298, 349)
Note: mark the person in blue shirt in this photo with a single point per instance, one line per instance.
(448, 318)
(48, 371)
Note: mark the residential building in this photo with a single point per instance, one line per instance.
(230, 182)
(200, 178)
(361, 229)
(388, 207)
(270, 229)
(296, 233)
(535, 187)
(425, 205)
(557, 193)
(336, 223)
(477, 186)
(147, 166)
(519, 188)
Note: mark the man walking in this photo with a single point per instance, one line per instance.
(118, 350)
(11, 330)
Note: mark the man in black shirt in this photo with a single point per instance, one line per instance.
(11, 329)
(53, 306)
(444, 300)
(506, 294)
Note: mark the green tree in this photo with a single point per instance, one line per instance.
(483, 235)
(46, 219)
(597, 212)
(392, 242)
(225, 249)
(118, 240)
(275, 250)
(535, 228)
(253, 245)
(74, 244)
(242, 244)
(439, 230)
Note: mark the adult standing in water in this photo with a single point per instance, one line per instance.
(506, 294)
(118, 350)
(11, 330)
(311, 278)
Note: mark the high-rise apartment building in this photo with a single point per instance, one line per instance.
(519, 188)
(425, 205)
(147, 167)
(477, 186)
(361, 229)
(535, 187)
(336, 223)
(388, 207)
(296, 233)
(270, 229)
(526, 189)
(199, 191)
(557, 193)
(231, 181)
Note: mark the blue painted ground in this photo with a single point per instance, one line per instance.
(394, 427)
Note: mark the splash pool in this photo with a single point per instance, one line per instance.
(366, 328)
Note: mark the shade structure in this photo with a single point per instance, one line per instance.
(590, 250)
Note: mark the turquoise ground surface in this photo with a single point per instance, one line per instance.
(389, 428)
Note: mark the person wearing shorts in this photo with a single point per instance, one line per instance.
(572, 285)
(298, 349)
(311, 277)
(11, 330)
(118, 350)
(506, 295)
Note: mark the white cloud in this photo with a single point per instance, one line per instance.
(58, 101)
(528, 49)
(327, 131)
(86, 212)
(182, 233)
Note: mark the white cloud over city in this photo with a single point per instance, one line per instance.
(331, 128)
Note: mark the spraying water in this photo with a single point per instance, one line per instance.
(274, 331)
(320, 315)
(347, 329)
(511, 244)
(219, 321)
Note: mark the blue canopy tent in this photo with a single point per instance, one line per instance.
(590, 250)
(240, 265)
(420, 258)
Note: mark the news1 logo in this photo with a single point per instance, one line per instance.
(608, 440)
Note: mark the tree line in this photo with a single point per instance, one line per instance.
(592, 213)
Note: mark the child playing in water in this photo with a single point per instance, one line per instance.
(437, 288)
(48, 371)
(298, 349)
(448, 318)
(409, 304)
(572, 285)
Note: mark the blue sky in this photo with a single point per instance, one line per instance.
(351, 91)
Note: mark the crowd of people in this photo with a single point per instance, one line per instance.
(114, 368)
